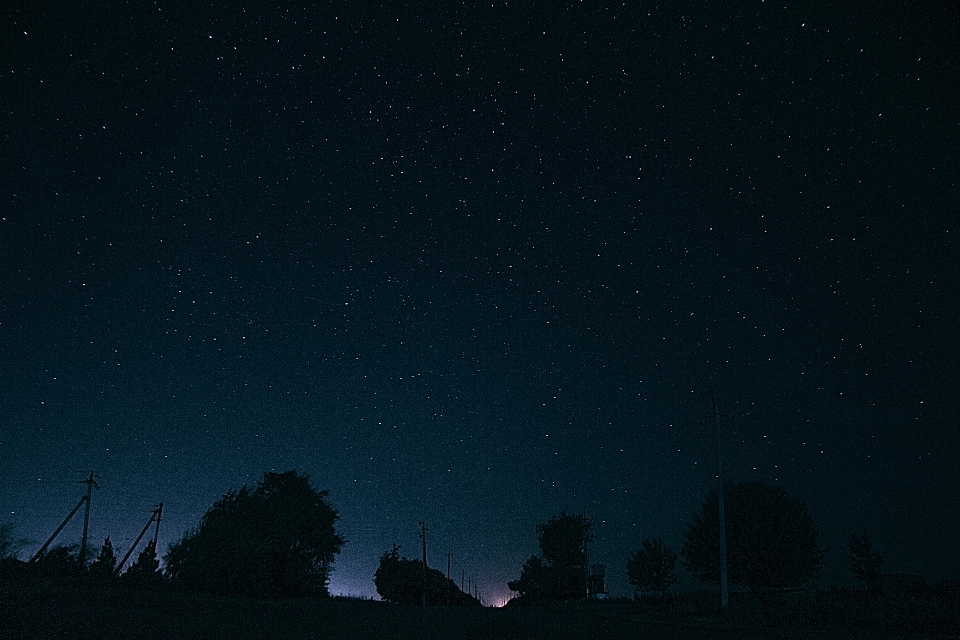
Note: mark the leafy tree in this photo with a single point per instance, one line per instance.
(106, 562)
(275, 540)
(651, 567)
(865, 562)
(561, 572)
(146, 570)
(771, 539)
(401, 581)
(9, 547)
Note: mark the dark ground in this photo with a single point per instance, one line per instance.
(81, 608)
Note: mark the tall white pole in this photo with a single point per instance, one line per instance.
(723, 521)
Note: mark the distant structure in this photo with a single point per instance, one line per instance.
(598, 581)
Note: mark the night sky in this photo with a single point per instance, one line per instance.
(477, 264)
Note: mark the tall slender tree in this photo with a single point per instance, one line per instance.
(146, 570)
(106, 561)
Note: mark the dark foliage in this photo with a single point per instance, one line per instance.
(146, 570)
(106, 562)
(9, 546)
(61, 560)
(560, 574)
(771, 539)
(932, 610)
(947, 592)
(401, 581)
(272, 541)
(865, 563)
(651, 568)
(536, 583)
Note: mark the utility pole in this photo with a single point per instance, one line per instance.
(586, 559)
(447, 585)
(155, 515)
(423, 537)
(156, 532)
(91, 483)
(723, 521)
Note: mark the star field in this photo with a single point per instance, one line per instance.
(475, 265)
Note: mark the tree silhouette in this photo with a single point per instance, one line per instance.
(146, 570)
(275, 540)
(771, 539)
(401, 581)
(9, 547)
(561, 572)
(651, 567)
(865, 562)
(106, 562)
(61, 560)
(537, 581)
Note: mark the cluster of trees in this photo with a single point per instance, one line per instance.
(771, 545)
(405, 581)
(65, 560)
(277, 539)
(560, 571)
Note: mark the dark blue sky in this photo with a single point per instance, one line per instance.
(476, 265)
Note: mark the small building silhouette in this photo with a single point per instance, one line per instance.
(598, 581)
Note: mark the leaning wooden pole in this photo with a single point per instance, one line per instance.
(46, 544)
(153, 515)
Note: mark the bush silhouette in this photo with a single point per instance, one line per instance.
(401, 581)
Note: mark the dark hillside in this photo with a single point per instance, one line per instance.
(74, 607)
